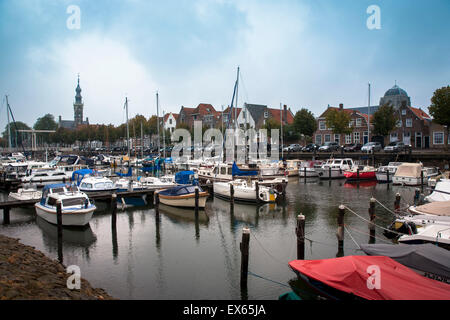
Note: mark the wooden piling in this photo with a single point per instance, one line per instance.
(244, 246)
(372, 220)
(416, 197)
(114, 211)
(59, 228)
(421, 178)
(387, 174)
(397, 202)
(304, 171)
(196, 200)
(231, 196)
(156, 202)
(284, 188)
(340, 230)
(6, 216)
(300, 232)
(258, 200)
(329, 173)
(357, 173)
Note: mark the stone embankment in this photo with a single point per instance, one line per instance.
(26, 273)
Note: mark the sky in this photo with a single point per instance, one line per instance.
(302, 53)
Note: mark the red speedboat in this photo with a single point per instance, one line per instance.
(368, 278)
(361, 173)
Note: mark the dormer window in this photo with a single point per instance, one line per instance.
(266, 114)
(403, 112)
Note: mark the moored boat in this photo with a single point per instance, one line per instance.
(244, 191)
(27, 192)
(385, 173)
(334, 168)
(438, 234)
(76, 208)
(88, 181)
(183, 196)
(368, 278)
(360, 173)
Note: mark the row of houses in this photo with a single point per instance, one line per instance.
(414, 127)
(251, 116)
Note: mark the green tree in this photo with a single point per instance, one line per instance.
(17, 138)
(272, 124)
(46, 122)
(305, 123)
(384, 120)
(440, 108)
(338, 121)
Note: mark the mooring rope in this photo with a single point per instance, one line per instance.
(268, 253)
(371, 221)
(265, 278)
(366, 233)
(345, 227)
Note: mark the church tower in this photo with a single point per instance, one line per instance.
(78, 106)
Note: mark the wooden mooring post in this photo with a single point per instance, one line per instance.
(59, 229)
(304, 172)
(340, 229)
(244, 246)
(300, 232)
(258, 200)
(231, 197)
(421, 179)
(196, 201)
(6, 215)
(397, 202)
(114, 211)
(372, 220)
(156, 203)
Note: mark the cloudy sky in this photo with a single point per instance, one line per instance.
(308, 53)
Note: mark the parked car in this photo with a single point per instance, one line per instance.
(371, 147)
(352, 147)
(329, 146)
(395, 147)
(310, 147)
(293, 148)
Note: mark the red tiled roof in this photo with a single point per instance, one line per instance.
(349, 111)
(276, 115)
(420, 113)
(166, 116)
(203, 108)
(238, 111)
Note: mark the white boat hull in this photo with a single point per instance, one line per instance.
(382, 177)
(222, 189)
(186, 202)
(335, 173)
(79, 217)
(409, 181)
(310, 173)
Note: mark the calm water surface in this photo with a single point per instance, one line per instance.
(176, 257)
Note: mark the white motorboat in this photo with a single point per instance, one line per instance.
(46, 175)
(244, 191)
(77, 210)
(410, 174)
(335, 167)
(292, 167)
(27, 192)
(382, 172)
(124, 184)
(432, 181)
(88, 181)
(157, 183)
(441, 192)
(309, 168)
(434, 233)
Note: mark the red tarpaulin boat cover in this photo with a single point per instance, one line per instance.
(350, 274)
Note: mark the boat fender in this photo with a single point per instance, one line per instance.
(261, 196)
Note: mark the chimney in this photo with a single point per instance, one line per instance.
(285, 113)
(60, 119)
(341, 106)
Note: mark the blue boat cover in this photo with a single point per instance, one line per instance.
(185, 177)
(235, 171)
(78, 175)
(128, 174)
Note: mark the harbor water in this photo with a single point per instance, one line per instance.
(180, 257)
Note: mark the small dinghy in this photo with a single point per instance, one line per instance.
(426, 259)
(368, 278)
(183, 196)
(77, 210)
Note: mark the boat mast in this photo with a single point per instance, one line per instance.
(281, 120)
(368, 118)
(9, 125)
(157, 125)
(142, 142)
(164, 137)
(128, 129)
(237, 102)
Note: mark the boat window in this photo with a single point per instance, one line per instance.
(73, 202)
(51, 202)
(181, 191)
(89, 185)
(223, 170)
(108, 185)
(229, 171)
(100, 185)
(58, 190)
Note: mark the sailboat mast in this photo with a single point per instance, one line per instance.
(368, 118)
(157, 126)
(128, 129)
(164, 136)
(9, 126)
(281, 120)
(142, 142)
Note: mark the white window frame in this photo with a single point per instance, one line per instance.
(393, 137)
(358, 122)
(322, 125)
(325, 138)
(356, 134)
(348, 139)
(408, 122)
(399, 124)
(434, 137)
(318, 141)
(337, 138)
(403, 112)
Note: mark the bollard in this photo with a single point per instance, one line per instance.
(397, 202)
(196, 200)
(340, 230)
(300, 232)
(6, 216)
(59, 228)
(329, 173)
(258, 200)
(114, 211)
(244, 246)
